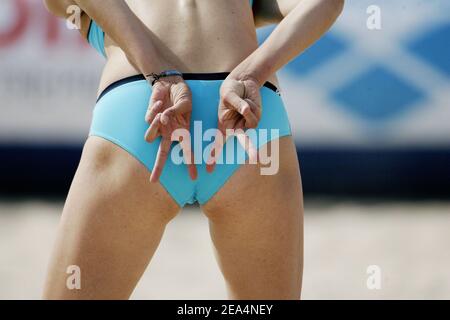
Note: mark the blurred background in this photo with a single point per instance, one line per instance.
(370, 111)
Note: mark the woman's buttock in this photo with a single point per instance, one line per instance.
(119, 118)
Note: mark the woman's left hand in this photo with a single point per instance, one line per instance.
(170, 110)
(239, 109)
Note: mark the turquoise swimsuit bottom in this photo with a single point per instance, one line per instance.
(119, 118)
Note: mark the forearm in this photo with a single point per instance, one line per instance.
(130, 34)
(303, 26)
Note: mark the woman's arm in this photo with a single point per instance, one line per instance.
(304, 24)
(240, 101)
(122, 26)
(170, 104)
(268, 12)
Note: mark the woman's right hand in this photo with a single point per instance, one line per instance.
(170, 109)
(239, 110)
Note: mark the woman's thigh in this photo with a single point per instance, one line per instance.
(111, 225)
(256, 223)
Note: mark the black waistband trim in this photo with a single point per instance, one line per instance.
(186, 76)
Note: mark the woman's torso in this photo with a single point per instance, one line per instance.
(193, 35)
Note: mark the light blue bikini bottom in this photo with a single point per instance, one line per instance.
(119, 118)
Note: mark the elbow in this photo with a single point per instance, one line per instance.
(56, 7)
(337, 6)
(331, 10)
(50, 5)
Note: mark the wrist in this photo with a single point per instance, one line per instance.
(148, 60)
(252, 69)
(170, 74)
(154, 66)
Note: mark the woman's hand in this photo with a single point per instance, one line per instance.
(239, 109)
(169, 109)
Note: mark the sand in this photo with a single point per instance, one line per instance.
(407, 241)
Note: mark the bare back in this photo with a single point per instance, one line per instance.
(194, 35)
